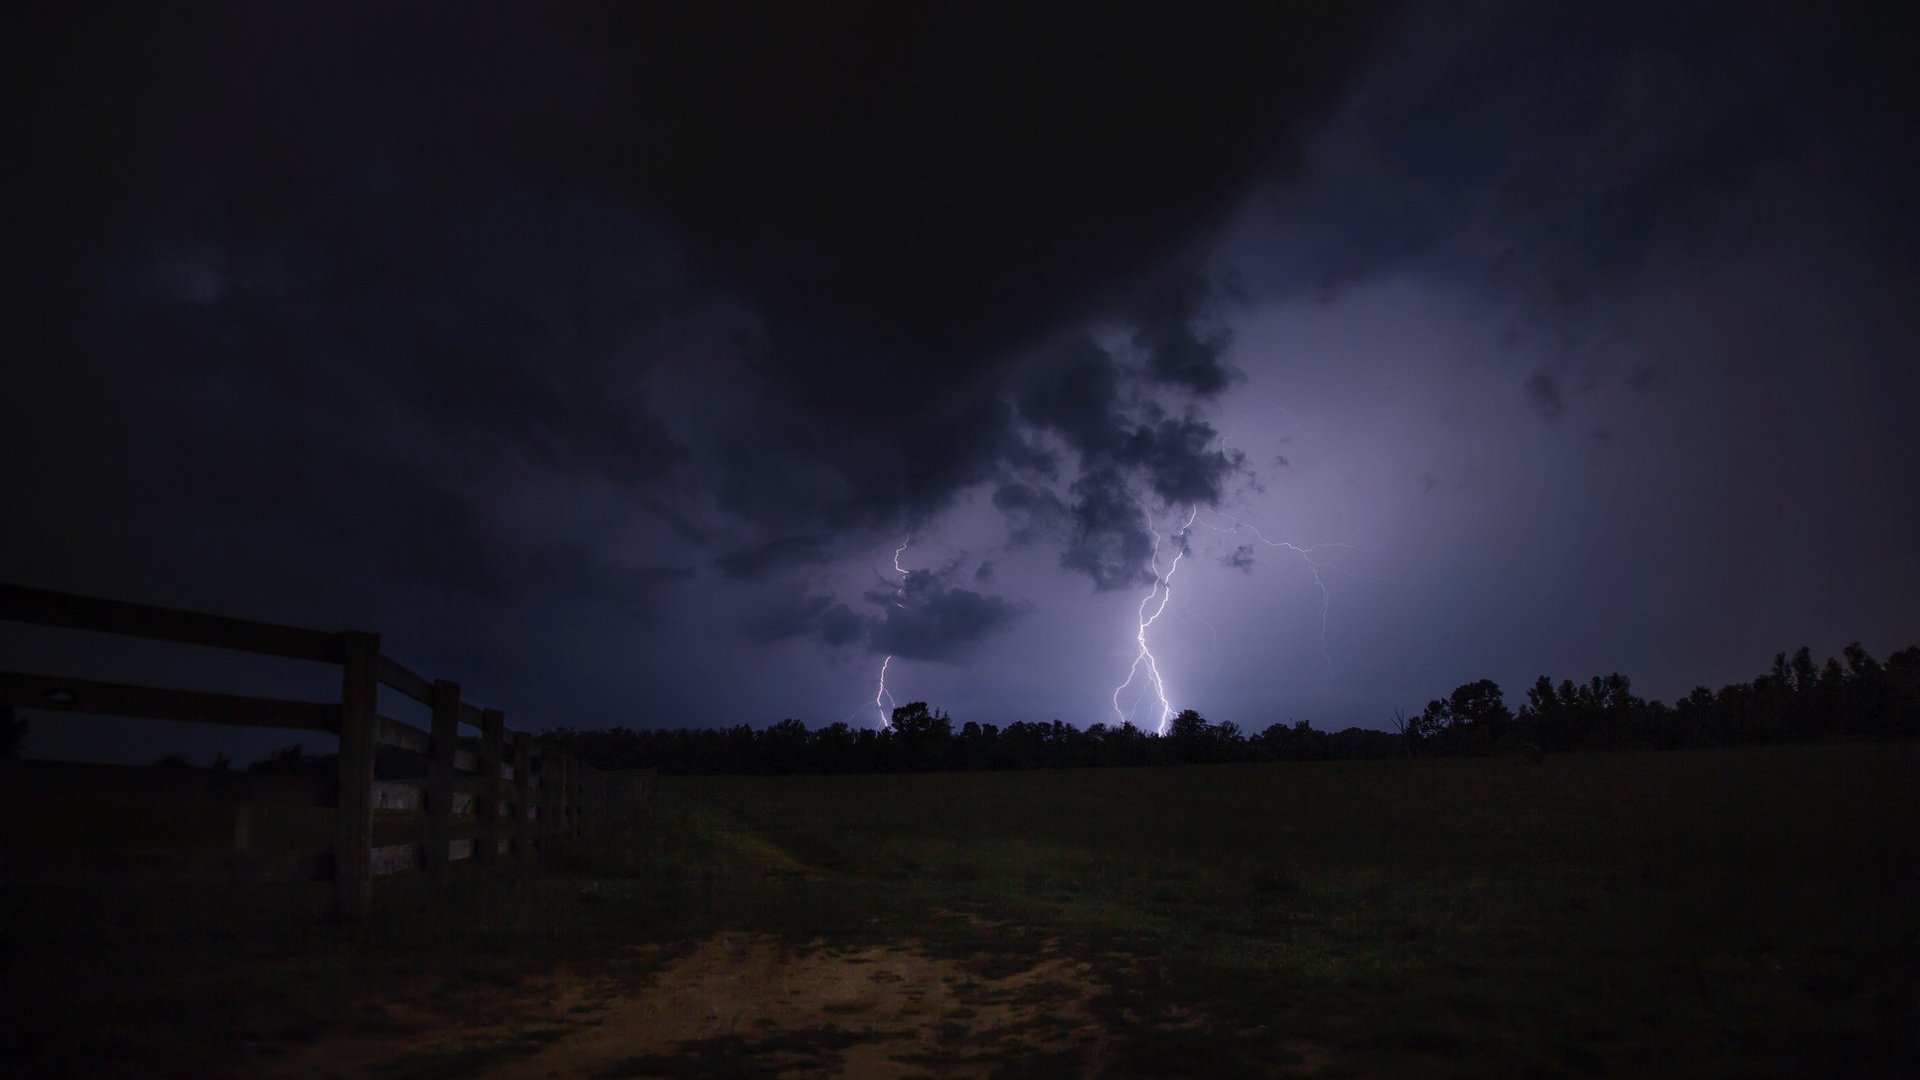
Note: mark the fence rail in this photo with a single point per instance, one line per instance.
(499, 798)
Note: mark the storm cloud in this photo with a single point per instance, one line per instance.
(927, 616)
(1104, 409)
(932, 619)
(610, 350)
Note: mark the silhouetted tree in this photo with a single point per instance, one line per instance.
(293, 760)
(831, 749)
(1796, 698)
(1902, 702)
(1472, 719)
(975, 745)
(1190, 737)
(783, 748)
(1407, 730)
(1125, 745)
(925, 738)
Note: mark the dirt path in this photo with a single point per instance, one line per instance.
(745, 1004)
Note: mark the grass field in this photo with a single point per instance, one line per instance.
(1711, 913)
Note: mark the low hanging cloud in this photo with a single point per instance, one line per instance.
(926, 617)
(513, 273)
(1111, 541)
(1240, 558)
(1082, 445)
(1107, 412)
(1542, 390)
(1180, 350)
(821, 617)
(759, 560)
(1032, 512)
(930, 619)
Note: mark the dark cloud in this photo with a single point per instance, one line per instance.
(924, 617)
(513, 233)
(931, 619)
(1180, 459)
(898, 257)
(1684, 218)
(1179, 351)
(772, 556)
(1125, 446)
(821, 617)
(1033, 513)
(1111, 542)
(1568, 164)
(1542, 391)
(513, 325)
(1174, 460)
(1076, 393)
(1645, 377)
(580, 341)
(1240, 558)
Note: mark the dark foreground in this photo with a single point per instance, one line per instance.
(1711, 913)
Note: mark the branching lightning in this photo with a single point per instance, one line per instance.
(1307, 555)
(1213, 635)
(1163, 589)
(883, 702)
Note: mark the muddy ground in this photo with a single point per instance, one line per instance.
(741, 1003)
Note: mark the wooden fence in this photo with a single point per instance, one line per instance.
(499, 798)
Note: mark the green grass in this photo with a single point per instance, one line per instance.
(1719, 912)
(1712, 913)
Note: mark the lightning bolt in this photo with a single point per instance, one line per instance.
(1162, 588)
(883, 701)
(1213, 635)
(904, 545)
(1307, 555)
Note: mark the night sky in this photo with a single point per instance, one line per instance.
(602, 358)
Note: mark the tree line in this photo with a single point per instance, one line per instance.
(1850, 697)
(1795, 700)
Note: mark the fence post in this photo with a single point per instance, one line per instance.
(562, 796)
(353, 820)
(544, 826)
(492, 733)
(567, 827)
(547, 829)
(595, 809)
(446, 737)
(575, 819)
(523, 795)
(590, 801)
